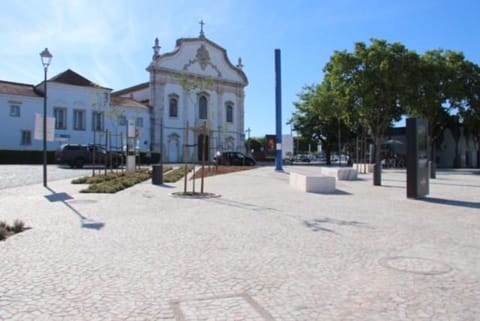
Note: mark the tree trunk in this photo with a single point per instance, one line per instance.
(478, 158)
(478, 151)
(433, 161)
(456, 160)
(377, 173)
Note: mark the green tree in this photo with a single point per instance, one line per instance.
(319, 118)
(446, 93)
(433, 81)
(372, 83)
(469, 108)
(254, 144)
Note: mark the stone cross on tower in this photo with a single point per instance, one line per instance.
(201, 28)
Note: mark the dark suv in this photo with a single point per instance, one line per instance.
(234, 158)
(76, 155)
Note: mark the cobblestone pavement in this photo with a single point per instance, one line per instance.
(21, 175)
(261, 251)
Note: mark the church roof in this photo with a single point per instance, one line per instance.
(18, 89)
(210, 42)
(131, 89)
(127, 102)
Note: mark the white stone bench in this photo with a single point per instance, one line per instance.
(313, 183)
(364, 167)
(340, 173)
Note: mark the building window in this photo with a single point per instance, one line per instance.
(97, 121)
(26, 137)
(229, 113)
(202, 105)
(60, 118)
(139, 122)
(122, 120)
(173, 107)
(15, 110)
(78, 119)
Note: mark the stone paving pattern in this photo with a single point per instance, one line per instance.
(261, 251)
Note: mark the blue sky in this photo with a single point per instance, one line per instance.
(110, 42)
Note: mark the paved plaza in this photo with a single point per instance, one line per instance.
(262, 251)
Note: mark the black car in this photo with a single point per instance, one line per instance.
(76, 155)
(234, 158)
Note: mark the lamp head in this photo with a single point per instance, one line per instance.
(46, 58)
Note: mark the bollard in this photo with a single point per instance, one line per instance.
(157, 174)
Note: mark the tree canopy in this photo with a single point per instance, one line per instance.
(378, 83)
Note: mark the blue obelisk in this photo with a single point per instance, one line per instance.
(278, 111)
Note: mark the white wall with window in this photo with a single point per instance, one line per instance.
(17, 113)
(15, 109)
(79, 119)
(60, 114)
(80, 111)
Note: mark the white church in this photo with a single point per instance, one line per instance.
(191, 107)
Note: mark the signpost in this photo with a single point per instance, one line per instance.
(418, 165)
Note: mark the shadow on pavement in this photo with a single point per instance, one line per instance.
(443, 201)
(237, 204)
(318, 224)
(64, 197)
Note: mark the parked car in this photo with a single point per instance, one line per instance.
(302, 158)
(234, 158)
(76, 155)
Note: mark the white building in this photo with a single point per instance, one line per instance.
(194, 86)
(83, 113)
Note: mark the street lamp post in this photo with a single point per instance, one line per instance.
(248, 139)
(46, 57)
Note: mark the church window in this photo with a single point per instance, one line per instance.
(229, 112)
(173, 107)
(202, 104)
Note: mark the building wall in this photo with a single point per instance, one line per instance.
(69, 97)
(465, 149)
(196, 59)
(11, 128)
(217, 79)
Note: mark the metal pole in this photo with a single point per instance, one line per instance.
(45, 128)
(248, 140)
(278, 110)
(185, 160)
(204, 147)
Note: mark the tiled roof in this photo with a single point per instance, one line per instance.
(72, 78)
(127, 102)
(12, 88)
(131, 89)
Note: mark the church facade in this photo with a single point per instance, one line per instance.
(196, 96)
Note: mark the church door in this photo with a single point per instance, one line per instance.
(173, 150)
(201, 148)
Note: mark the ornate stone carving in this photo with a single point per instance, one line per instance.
(203, 57)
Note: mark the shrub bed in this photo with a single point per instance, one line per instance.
(9, 230)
